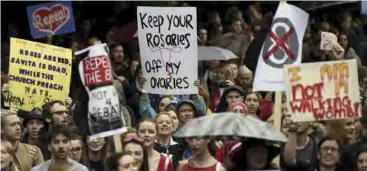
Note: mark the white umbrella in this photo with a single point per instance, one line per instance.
(206, 53)
(230, 126)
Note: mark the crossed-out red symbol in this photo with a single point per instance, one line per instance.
(280, 42)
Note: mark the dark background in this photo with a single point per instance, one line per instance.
(16, 13)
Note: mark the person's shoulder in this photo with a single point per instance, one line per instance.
(42, 167)
(79, 166)
(29, 147)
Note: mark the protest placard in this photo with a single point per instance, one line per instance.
(328, 40)
(38, 74)
(54, 18)
(168, 49)
(323, 90)
(104, 110)
(282, 45)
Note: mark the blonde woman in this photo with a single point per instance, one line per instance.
(7, 153)
(344, 130)
(164, 142)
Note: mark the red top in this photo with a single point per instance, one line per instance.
(214, 167)
(165, 164)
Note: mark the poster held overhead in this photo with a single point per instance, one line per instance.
(104, 110)
(53, 18)
(328, 40)
(283, 45)
(323, 90)
(38, 74)
(168, 48)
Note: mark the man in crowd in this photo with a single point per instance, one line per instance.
(300, 152)
(231, 94)
(244, 78)
(26, 156)
(34, 122)
(328, 154)
(58, 139)
(55, 113)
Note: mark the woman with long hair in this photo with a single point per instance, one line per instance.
(134, 146)
(202, 159)
(7, 156)
(121, 162)
(252, 101)
(147, 130)
(98, 150)
(165, 143)
(349, 51)
(78, 150)
(344, 130)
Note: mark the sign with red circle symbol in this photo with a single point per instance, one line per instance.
(281, 46)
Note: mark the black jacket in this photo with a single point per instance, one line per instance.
(174, 151)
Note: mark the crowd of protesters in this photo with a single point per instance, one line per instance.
(55, 137)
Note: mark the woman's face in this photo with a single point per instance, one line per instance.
(362, 162)
(76, 150)
(234, 70)
(163, 104)
(252, 102)
(6, 158)
(257, 157)
(197, 146)
(136, 151)
(343, 41)
(222, 73)
(96, 144)
(148, 132)
(127, 163)
(164, 124)
(349, 128)
(175, 120)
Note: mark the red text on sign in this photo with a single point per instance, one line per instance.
(96, 71)
(311, 100)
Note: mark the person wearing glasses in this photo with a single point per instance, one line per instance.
(328, 154)
(78, 150)
(54, 113)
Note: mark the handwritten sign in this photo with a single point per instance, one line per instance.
(168, 47)
(54, 17)
(104, 115)
(328, 40)
(38, 73)
(323, 90)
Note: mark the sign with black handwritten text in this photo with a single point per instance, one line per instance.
(38, 74)
(168, 49)
(104, 114)
(323, 90)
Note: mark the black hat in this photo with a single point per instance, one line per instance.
(35, 114)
